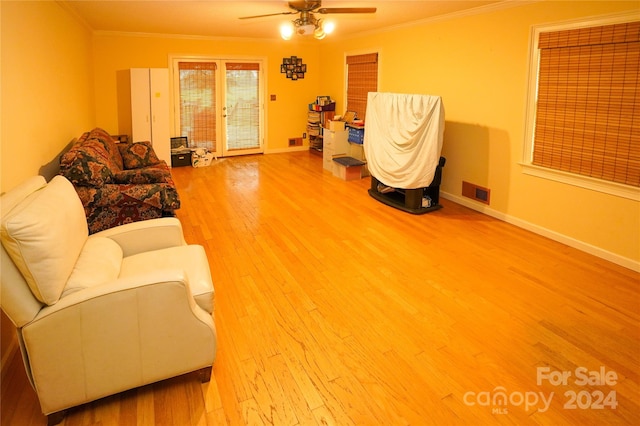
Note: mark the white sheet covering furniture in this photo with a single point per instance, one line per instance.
(403, 138)
(101, 314)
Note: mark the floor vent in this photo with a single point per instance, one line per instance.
(476, 192)
(295, 141)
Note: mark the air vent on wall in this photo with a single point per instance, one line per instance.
(476, 192)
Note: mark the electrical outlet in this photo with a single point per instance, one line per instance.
(304, 136)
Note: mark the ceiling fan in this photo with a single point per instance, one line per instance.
(307, 23)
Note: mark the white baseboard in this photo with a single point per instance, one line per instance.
(571, 242)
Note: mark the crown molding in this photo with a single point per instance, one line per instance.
(66, 5)
(101, 33)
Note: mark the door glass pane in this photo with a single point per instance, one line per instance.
(198, 103)
(242, 103)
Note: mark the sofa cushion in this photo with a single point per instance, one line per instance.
(138, 154)
(151, 174)
(110, 145)
(99, 263)
(44, 236)
(87, 164)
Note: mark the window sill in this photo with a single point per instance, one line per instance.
(611, 188)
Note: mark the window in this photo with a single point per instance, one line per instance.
(362, 78)
(198, 103)
(243, 111)
(586, 118)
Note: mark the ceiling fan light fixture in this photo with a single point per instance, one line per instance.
(286, 30)
(307, 24)
(322, 29)
(328, 27)
(306, 29)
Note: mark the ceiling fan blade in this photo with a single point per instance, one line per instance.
(269, 14)
(347, 10)
(305, 6)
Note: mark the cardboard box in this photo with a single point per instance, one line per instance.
(347, 168)
(336, 126)
(349, 116)
(357, 151)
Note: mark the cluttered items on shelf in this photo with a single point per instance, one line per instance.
(323, 103)
(350, 122)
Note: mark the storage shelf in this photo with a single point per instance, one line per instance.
(315, 123)
(410, 200)
(398, 200)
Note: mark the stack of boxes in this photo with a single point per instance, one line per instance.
(356, 131)
(351, 164)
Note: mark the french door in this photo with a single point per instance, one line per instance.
(219, 104)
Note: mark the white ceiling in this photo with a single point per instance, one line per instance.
(214, 18)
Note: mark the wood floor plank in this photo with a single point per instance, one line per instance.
(274, 406)
(145, 414)
(292, 393)
(334, 309)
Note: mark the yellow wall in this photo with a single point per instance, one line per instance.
(479, 65)
(285, 117)
(47, 87)
(46, 97)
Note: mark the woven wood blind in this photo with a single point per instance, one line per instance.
(243, 112)
(588, 108)
(245, 66)
(362, 78)
(198, 103)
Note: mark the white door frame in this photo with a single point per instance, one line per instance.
(221, 137)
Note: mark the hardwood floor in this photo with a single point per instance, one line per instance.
(334, 309)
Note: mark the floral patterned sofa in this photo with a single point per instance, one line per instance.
(118, 183)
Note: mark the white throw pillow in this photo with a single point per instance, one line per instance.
(44, 236)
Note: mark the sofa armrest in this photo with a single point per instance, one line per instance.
(117, 336)
(159, 277)
(146, 235)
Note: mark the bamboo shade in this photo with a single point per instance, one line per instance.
(242, 66)
(242, 105)
(362, 78)
(198, 103)
(588, 107)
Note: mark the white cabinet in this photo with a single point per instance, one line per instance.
(150, 109)
(334, 144)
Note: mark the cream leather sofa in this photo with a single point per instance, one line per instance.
(97, 315)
